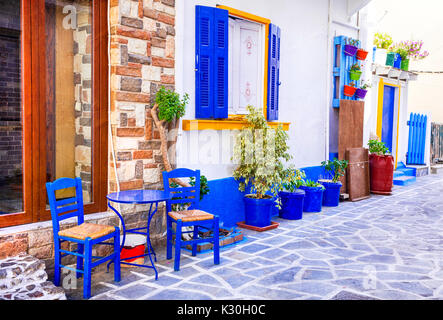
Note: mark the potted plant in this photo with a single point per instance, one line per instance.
(314, 196)
(351, 47)
(292, 197)
(381, 165)
(361, 92)
(410, 50)
(382, 42)
(336, 169)
(355, 72)
(390, 57)
(362, 54)
(349, 90)
(259, 152)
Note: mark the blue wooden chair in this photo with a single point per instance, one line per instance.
(86, 235)
(192, 217)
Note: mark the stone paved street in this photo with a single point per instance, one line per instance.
(380, 248)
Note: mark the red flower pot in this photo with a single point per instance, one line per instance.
(382, 174)
(362, 54)
(349, 91)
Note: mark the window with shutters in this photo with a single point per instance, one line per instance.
(246, 65)
(237, 64)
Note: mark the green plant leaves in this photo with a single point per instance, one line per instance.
(336, 168)
(260, 151)
(170, 106)
(377, 147)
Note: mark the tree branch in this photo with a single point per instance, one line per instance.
(164, 143)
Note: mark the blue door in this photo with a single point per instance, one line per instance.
(388, 116)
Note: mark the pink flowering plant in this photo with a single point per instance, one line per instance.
(410, 50)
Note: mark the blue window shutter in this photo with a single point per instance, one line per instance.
(211, 61)
(274, 72)
(221, 54)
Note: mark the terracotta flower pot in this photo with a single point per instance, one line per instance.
(362, 54)
(382, 174)
(349, 91)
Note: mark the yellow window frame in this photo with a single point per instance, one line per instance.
(238, 121)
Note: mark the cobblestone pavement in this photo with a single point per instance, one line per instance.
(380, 248)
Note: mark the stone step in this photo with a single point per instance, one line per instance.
(437, 169)
(408, 171)
(24, 278)
(398, 173)
(404, 181)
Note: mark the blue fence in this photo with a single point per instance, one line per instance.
(342, 65)
(417, 139)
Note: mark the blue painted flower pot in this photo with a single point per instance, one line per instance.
(258, 211)
(331, 195)
(292, 205)
(313, 199)
(397, 61)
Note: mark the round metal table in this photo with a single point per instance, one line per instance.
(152, 197)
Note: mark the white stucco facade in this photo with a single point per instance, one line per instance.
(308, 29)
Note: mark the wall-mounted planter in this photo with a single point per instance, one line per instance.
(360, 93)
(355, 75)
(313, 199)
(331, 195)
(405, 65)
(349, 91)
(258, 211)
(380, 56)
(362, 54)
(397, 62)
(390, 59)
(350, 50)
(292, 205)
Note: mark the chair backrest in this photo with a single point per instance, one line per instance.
(65, 208)
(182, 195)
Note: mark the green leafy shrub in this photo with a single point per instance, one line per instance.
(170, 106)
(377, 147)
(356, 67)
(259, 152)
(383, 41)
(335, 168)
(312, 184)
(365, 85)
(294, 180)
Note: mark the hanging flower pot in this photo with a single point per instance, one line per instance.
(362, 54)
(405, 64)
(397, 62)
(355, 75)
(350, 50)
(349, 91)
(360, 93)
(390, 58)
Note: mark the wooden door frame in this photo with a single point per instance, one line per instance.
(33, 78)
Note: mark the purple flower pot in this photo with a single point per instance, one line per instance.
(350, 50)
(360, 93)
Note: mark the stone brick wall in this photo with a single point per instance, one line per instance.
(83, 95)
(142, 60)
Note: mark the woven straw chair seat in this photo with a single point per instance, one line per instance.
(87, 230)
(191, 215)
